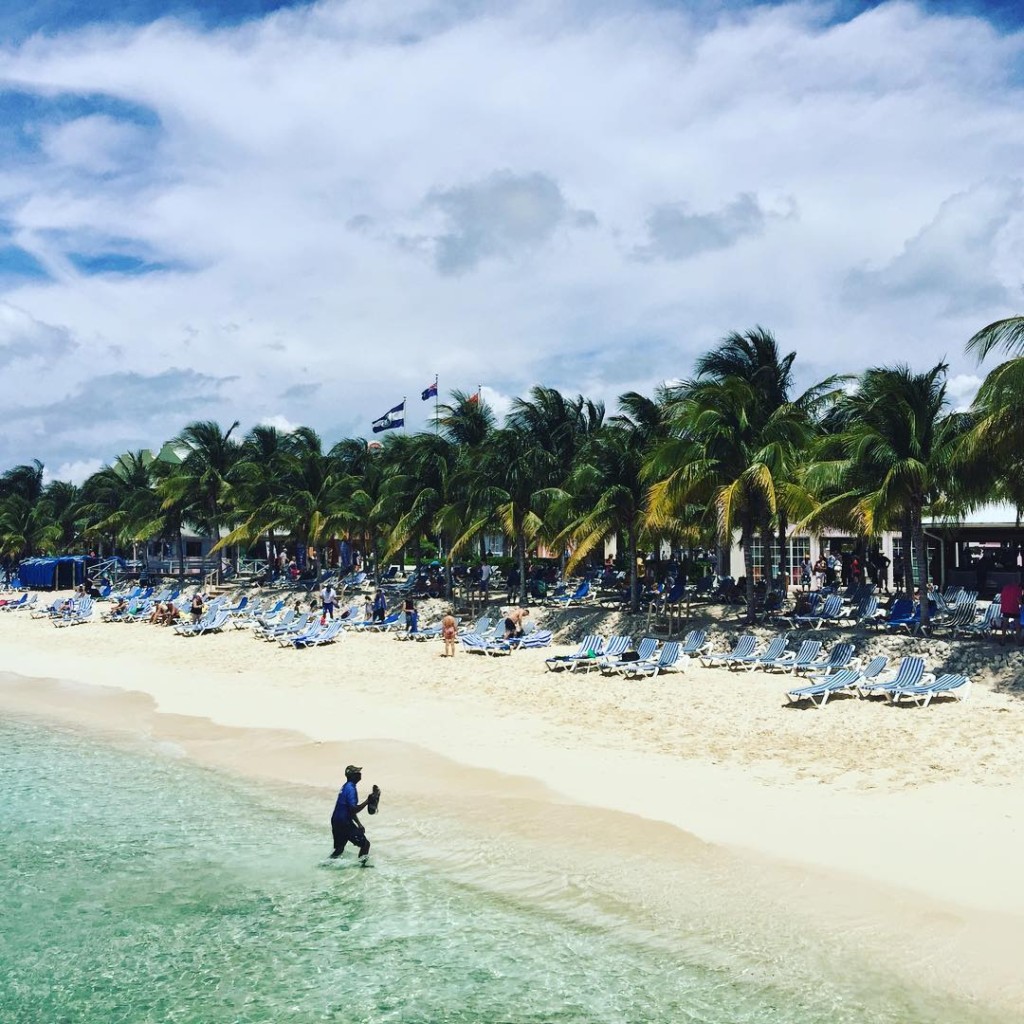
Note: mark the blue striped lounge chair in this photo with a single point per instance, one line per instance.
(910, 673)
(950, 683)
(839, 658)
(744, 646)
(818, 693)
(794, 661)
(668, 658)
(775, 649)
(645, 651)
(613, 651)
(830, 612)
(693, 643)
(984, 626)
(591, 646)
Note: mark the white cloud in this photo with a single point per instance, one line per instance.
(303, 166)
(73, 472)
(280, 422)
(961, 389)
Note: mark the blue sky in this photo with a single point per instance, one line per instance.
(299, 213)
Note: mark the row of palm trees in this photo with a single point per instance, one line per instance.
(733, 449)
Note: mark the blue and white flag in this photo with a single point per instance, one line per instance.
(392, 418)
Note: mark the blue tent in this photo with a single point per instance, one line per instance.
(52, 573)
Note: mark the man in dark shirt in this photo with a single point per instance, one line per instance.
(345, 824)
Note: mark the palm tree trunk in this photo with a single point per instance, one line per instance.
(634, 580)
(747, 540)
(181, 555)
(768, 568)
(521, 552)
(908, 556)
(921, 553)
(784, 552)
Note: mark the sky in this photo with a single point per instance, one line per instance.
(298, 213)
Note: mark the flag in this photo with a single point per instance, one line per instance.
(392, 418)
(429, 392)
(473, 399)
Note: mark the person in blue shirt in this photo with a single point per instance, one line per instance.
(345, 824)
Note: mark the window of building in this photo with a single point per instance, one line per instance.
(193, 549)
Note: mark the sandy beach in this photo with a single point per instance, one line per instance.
(904, 823)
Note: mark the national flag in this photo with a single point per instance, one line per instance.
(391, 419)
(429, 392)
(473, 399)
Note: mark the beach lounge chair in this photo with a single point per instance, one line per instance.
(957, 686)
(775, 649)
(81, 612)
(578, 596)
(745, 646)
(818, 693)
(839, 658)
(668, 658)
(294, 627)
(902, 608)
(383, 625)
(213, 623)
(909, 674)
(313, 629)
(591, 646)
(13, 606)
(49, 611)
(830, 612)
(820, 687)
(531, 641)
(613, 650)
(989, 621)
(961, 615)
(645, 651)
(325, 635)
(693, 643)
(795, 661)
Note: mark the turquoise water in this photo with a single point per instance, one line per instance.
(136, 887)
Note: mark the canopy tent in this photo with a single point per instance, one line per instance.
(52, 573)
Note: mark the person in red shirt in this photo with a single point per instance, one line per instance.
(1009, 603)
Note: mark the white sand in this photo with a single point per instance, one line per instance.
(929, 801)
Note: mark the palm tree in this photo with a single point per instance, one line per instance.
(895, 456)
(1007, 334)
(308, 503)
(60, 505)
(514, 479)
(737, 444)
(120, 503)
(200, 486)
(607, 488)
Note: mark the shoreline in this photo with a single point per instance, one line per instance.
(936, 863)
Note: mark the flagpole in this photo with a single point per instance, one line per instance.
(405, 419)
(437, 426)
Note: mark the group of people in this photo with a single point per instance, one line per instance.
(847, 568)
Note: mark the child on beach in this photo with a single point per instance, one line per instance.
(448, 634)
(367, 608)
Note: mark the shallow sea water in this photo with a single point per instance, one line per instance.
(136, 886)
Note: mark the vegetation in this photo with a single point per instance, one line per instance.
(731, 450)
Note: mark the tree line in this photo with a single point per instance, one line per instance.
(731, 449)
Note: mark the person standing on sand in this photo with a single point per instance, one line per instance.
(1009, 605)
(327, 598)
(345, 824)
(198, 606)
(449, 631)
(380, 606)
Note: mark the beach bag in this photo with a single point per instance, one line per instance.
(630, 655)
